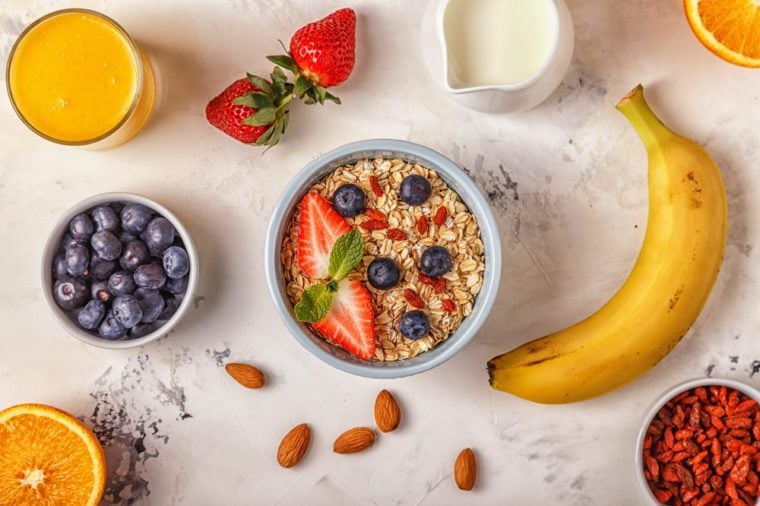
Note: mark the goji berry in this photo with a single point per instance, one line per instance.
(426, 280)
(413, 299)
(440, 216)
(689, 494)
(374, 225)
(663, 495)
(396, 234)
(683, 434)
(738, 422)
(374, 214)
(374, 184)
(669, 474)
(449, 306)
(706, 499)
(422, 225)
(669, 439)
(440, 285)
(730, 489)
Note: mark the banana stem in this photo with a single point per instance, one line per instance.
(649, 127)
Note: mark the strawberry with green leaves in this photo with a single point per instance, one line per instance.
(341, 310)
(253, 110)
(322, 55)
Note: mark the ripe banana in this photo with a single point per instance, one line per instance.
(663, 295)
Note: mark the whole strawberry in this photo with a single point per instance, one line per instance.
(322, 55)
(252, 110)
(325, 50)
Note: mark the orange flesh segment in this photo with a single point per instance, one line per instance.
(47, 458)
(729, 28)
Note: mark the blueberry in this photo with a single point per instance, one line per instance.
(435, 261)
(91, 315)
(81, 227)
(121, 283)
(415, 190)
(348, 200)
(143, 329)
(414, 324)
(151, 302)
(176, 263)
(177, 286)
(383, 273)
(159, 235)
(77, 260)
(59, 266)
(125, 237)
(105, 218)
(127, 310)
(171, 304)
(101, 269)
(70, 293)
(68, 242)
(99, 291)
(106, 245)
(135, 217)
(150, 276)
(110, 328)
(133, 255)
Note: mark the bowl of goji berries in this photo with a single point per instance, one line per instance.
(700, 445)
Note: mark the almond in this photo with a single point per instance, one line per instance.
(465, 469)
(354, 440)
(246, 375)
(294, 445)
(387, 412)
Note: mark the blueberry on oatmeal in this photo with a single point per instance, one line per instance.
(383, 273)
(435, 261)
(415, 190)
(414, 324)
(348, 200)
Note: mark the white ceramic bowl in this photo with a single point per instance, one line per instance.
(458, 181)
(52, 247)
(749, 391)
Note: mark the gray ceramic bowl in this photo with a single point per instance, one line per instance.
(747, 390)
(51, 248)
(458, 180)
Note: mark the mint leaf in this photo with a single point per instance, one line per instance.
(315, 303)
(260, 83)
(346, 254)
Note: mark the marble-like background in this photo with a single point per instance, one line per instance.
(567, 181)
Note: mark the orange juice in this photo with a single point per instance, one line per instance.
(76, 77)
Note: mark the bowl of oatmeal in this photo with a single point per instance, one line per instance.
(383, 258)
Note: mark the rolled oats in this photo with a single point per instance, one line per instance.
(459, 233)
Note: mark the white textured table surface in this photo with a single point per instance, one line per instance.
(566, 180)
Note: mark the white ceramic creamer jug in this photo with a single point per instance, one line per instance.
(498, 55)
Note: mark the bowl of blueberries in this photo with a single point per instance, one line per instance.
(119, 270)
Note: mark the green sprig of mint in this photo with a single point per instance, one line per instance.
(345, 255)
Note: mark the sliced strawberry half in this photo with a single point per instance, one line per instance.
(318, 228)
(350, 323)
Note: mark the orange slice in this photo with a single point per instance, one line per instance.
(48, 457)
(728, 28)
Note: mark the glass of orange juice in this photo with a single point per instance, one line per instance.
(76, 77)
